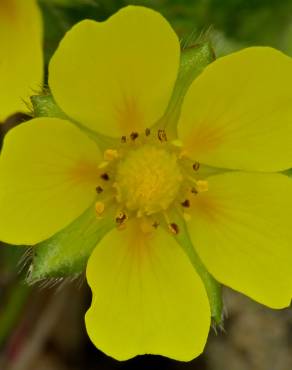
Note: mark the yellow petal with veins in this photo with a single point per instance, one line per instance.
(238, 113)
(147, 297)
(21, 60)
(116, 76)
(241, 228)
(48, 175)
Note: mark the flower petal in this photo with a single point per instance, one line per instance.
(116, 76)
(48, 174)
(238, 113)
(147, 298)
(21, 61)
(241, 229)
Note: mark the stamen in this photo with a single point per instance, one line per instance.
(162, 135)
(121, 219)
(103, 164)
(186, 203)
(134, 135)
(202, 186)
(196, 166)
(147, 131)
(99, 189)
(105, 176)
(111, 154)
(194, 191)
(173, 228)
(99, 208)
(155, 224)
(123, 139)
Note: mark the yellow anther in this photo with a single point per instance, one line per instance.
(99, 208)
(103, 164)
(202, 186)
(110, 154)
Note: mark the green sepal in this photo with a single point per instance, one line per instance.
(66, 253)
(45, 106)
(213, 288)
(193, 61)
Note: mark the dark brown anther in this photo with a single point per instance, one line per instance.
(155, 224)
(124, 139)
(186, 203)
(173, 228)
(134, 135)
(99, 189)
(194, 191)
(121, 218)
(162, 135)
(196, 166)
(147, 131)
(105, 176)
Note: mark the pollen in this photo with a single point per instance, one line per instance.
(148, 179)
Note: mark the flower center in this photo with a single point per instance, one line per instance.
(148, 179)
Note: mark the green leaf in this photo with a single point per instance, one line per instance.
(193, 61)
(66, 253)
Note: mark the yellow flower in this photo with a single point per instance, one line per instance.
(21, 61)
(217, 171)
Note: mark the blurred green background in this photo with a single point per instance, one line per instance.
(232, 24)
(41, 328)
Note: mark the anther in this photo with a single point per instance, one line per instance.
(202, 185)
(186, 203)
(99, 208)
(123, 139)
(121, 218)
(105, 176)
(173, 228)
(162, 135)
(134, 135)
(111, 154)
(99, 189)
(155, 224)
(103, 164)
(147, 131)
(196, 166)
(194, 191)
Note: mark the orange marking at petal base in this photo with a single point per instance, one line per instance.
(207, 206)
(129, 116)
(86, 172)
(8, 10)
(204, 139)
(139, 242)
